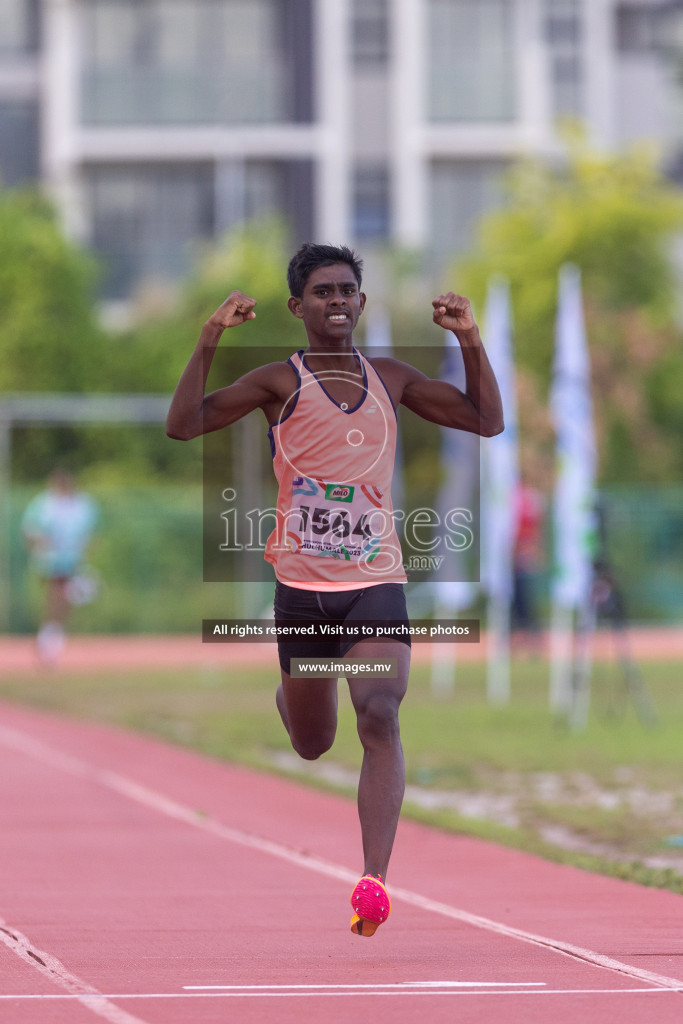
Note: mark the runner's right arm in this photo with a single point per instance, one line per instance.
(192, 412)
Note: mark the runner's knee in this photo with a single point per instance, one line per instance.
(378, 719)
(313, 747)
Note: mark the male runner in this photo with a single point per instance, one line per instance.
(332, 423)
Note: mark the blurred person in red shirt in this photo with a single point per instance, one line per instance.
(528, 559)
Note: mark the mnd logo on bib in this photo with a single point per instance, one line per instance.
(339, 492)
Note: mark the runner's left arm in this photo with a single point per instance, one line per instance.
(478, 408)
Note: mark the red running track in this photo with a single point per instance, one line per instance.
(85, 653)
(145, 883)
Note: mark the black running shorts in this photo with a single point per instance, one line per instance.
(384, 602)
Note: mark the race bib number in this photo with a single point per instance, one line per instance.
(332, 520)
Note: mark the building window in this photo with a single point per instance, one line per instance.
(18, 143)
(144, 220)
(252, 189)
(182, 62)
(18, 27)
(471, 60)
(248, 189)
(641, 29)
(371, 203)
(564, 38)
(461, 192)
(370, 32)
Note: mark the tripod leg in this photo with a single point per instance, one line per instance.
(634, 683)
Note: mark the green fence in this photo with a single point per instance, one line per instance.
(149, 558)
(644, 538)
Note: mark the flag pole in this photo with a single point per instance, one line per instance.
(561, 659)
(443, 661)
(498, 651)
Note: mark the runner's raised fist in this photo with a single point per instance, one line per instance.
(453, 312)
(237, 308)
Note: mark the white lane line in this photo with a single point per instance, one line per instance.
(50, 967)
(336, 993)
(402, 985)
(18, 740)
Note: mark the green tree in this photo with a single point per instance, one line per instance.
(49, 336)
(613, 216)
(49, 339)
(150, 356)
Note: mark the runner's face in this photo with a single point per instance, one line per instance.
(331, 303)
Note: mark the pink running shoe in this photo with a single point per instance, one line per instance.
(371, 905)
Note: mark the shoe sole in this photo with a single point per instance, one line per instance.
(361, 926)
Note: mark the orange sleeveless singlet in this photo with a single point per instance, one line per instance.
(335, 527)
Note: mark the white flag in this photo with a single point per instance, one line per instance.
(457, 581)
(499, 458)
(572, 410)
(499, 482)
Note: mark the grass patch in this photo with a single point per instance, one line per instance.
(613, 789)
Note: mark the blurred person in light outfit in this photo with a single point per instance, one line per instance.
(58, 525)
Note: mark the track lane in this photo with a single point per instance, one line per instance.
(138, 901)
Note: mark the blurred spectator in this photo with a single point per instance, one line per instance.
(527, 561)
(58, 525)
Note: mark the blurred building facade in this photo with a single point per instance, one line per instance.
(158, 123)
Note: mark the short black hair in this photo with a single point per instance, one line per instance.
(311, 256)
